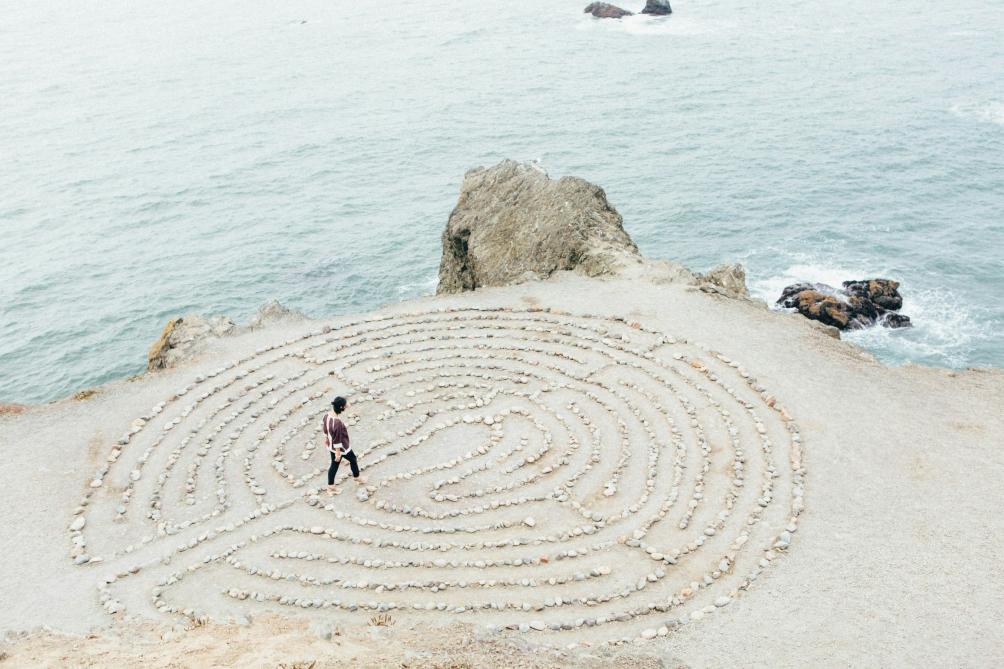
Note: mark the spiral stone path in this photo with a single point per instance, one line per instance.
(571, 476)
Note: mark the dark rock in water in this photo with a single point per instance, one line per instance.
(822, 307)
(657, 8)
(883, 292)
(893, 320)
(604, 10)
(786, 300)
(858, 305)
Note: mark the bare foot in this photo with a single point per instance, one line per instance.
(360, 480)
(332, 491)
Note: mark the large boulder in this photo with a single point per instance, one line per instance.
(514, 223)
(823, 307)
(883, 292)
(657, 7)
(858, 305)
(604, 10)
(185, 336)
(274, 312)
(726, 279)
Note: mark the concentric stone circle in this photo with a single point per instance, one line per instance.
(532, 470)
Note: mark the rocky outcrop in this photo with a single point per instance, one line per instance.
(728, 280)
(883, 292)
(274, 312)
(514, 223)
(13, 409)
(604, 10)
(183, 337)
(657, 8)
(858, 305)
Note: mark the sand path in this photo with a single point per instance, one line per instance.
(726, 481)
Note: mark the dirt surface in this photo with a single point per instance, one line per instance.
(279, 642)
(894, 561)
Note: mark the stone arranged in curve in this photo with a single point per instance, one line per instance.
(527, 470)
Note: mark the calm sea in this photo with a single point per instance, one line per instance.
(164, 157)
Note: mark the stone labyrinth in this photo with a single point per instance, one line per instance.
(574, 476)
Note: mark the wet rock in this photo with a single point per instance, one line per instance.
(892, 320)
(12, 409)
(514, 223)
(657, 8)
(858, 305)
(604, 10)
(883, 292)
(796, 288)
(819, 306)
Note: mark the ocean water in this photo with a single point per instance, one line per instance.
(162, 158)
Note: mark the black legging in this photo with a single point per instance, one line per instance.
(333, 469)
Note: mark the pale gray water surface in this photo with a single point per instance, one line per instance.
(160, 158)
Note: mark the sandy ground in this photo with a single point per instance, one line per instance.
(895, 562)
(278, 642)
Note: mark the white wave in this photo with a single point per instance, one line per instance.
(986, 112)
(769, 288)
(945, 329)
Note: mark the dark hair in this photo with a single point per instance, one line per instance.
(339, 404)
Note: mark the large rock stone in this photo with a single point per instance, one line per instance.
(274, 312)
(883, 292)
(859, 304)
(604, 10)
(185, 336)
(794, 289)
(825, 308)
(726, 279)
(657, 7)
(514, 223)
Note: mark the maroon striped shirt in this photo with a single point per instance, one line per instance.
(335, 432)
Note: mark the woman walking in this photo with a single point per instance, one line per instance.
(336, 438)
